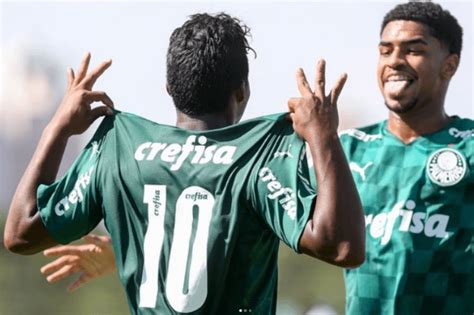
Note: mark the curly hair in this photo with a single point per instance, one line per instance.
(441, 24)
(206, 62)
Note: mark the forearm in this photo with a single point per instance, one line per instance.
(23, 216)
(24, 230)
(338, 221)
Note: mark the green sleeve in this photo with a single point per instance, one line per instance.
(282, 191)
(71, 207)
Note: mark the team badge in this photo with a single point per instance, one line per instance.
(446, 167)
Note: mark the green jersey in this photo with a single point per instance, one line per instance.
(418, 200)
(195, 216)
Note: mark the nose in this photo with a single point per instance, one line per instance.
(396, 58)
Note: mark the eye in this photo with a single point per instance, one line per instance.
(384, 51)
(415, 51)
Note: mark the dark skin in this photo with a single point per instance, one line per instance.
(24, 230)
(420, 68)
(335, 233)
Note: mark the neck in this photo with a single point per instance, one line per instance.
(407, 127)
(203, 122)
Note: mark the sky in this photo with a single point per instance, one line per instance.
(135, 36)
(39, 40)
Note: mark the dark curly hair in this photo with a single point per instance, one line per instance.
(206, 62)
(441, 24)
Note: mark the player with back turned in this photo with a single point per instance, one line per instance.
(414, 173)
(196, 212)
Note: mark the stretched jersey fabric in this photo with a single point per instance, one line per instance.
(195, 216)
(418, 200)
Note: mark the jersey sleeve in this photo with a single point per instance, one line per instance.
(282, 190)
(71, 207)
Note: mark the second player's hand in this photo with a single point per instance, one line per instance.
(90, 261)
(315, 113)
(75, 113)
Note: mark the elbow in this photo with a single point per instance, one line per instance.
(349, 256)
(342, 253)
(19, 236)
(15, 244)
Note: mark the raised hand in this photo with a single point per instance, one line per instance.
(91, 260)
(315, 113)
(75, 113)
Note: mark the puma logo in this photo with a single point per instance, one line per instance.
(283, 153)
(361, 170)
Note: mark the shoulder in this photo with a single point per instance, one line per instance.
(362, 135)
(462, 128)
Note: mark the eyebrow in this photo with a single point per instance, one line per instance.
(408, 42)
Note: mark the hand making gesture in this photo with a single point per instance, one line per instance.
(75, 113)
(314, 113)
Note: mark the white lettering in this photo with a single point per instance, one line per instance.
(177, 154)
(140, 154)
(76, 195)
(285, 196)
(383, 224)
(360, 135)
(456, 133)
(436, 225)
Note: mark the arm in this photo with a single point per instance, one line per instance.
(24, 230)
(336, 232)
(91, 260)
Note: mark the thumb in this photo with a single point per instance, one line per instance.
(100, 111)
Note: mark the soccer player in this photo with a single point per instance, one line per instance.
(415, 175)
(196, 211)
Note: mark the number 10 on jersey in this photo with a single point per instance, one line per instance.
(186, 281)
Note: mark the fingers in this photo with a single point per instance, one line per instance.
(97, 239)
(320, 79)
(90, 79)
(292, 103)
(303, 86)
(81, 73)
(58, 264)
(83, 278)
(336, 90)
(99, 112)
(99, 96)
(64, 250)
(70, 77)
(62, 273)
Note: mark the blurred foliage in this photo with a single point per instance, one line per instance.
(303, 282)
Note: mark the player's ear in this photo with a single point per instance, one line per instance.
(242, 94)
(450, 66)
(168, 89)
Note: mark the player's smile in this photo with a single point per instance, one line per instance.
(410, 67)
(397, 83)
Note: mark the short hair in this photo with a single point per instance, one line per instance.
(206, 62)
(441, 24)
